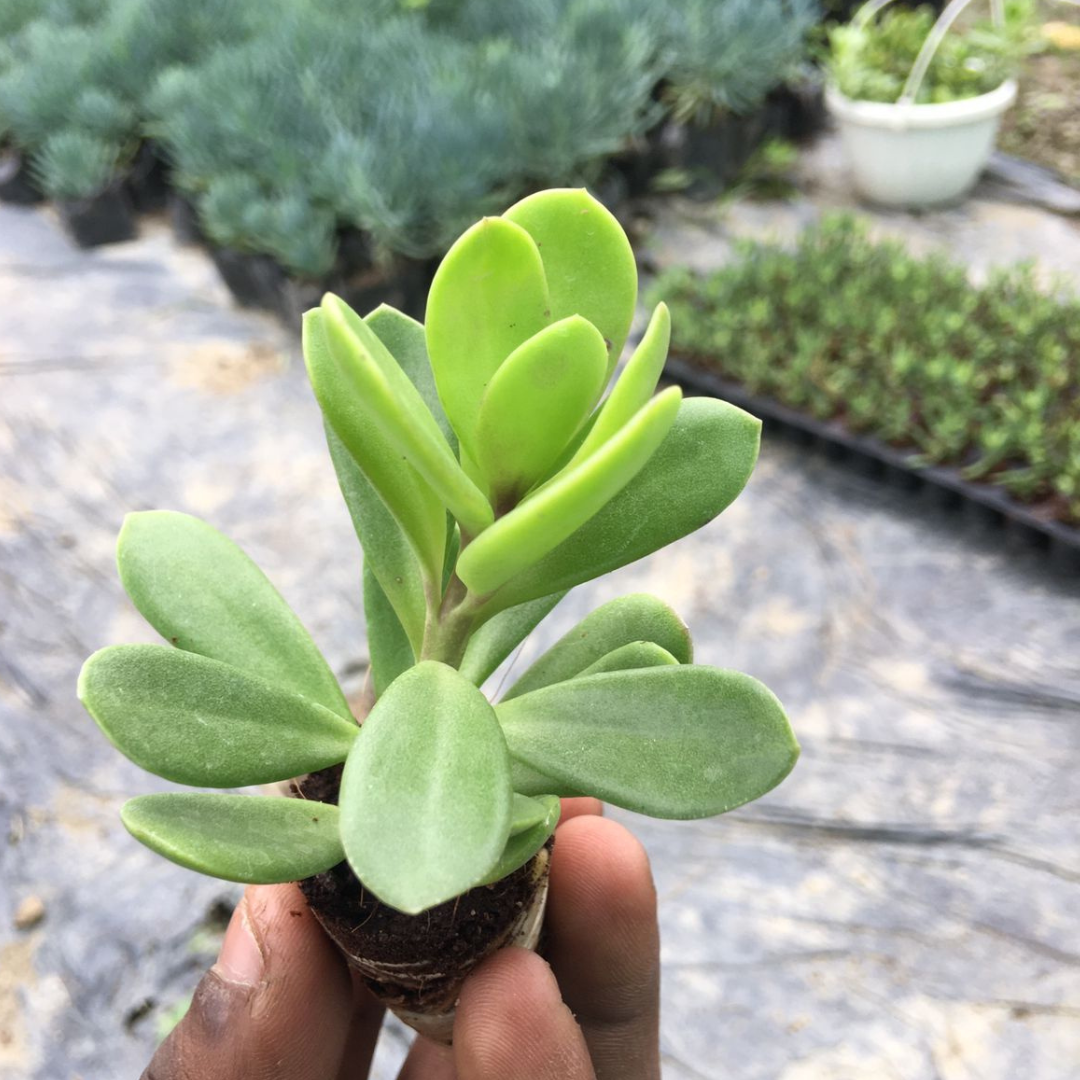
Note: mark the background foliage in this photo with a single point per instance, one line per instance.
(900, 347)
(288, 120)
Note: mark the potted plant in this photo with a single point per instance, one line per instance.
(919, 108)
(485, 480)
(79, 171)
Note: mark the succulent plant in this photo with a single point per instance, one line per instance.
(485, 477)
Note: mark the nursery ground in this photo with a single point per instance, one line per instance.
(903, 908)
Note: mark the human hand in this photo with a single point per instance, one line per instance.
(280, 1003)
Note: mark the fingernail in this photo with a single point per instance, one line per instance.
(241, 958)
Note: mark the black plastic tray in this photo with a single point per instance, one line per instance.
(989, 503)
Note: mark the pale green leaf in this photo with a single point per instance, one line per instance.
(407, 343)
(493, 642)
(637, 617)
(425, 795)
(535, 403)
(588, 262)
(526, 812)
(543, 521)
(201, 722)
(204, 595)
(388, 644)
(524, 844)
(395, 405)
(528, 781)
(698, 470)
(387, 553)
(406, 494)
(637, 654)
(249, 838)
(489, 296)
(635, 385)
(671, 742)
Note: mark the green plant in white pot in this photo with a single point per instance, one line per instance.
(485, 476)
(918, 103)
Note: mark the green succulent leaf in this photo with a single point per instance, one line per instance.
(525, 843)
(250, 838)
(407, 343)
(389, 649)
(395, 405)
(535, 403)
(535, 784)
(526, 812)
(588, 262)
(634, 618)
(410, 499)
(551, 514)
(634, 386)
(198, 721)
(493, 642)
(425, 795)
(488, 296)
(204, 595)
(696, 473)
(671, 742)
(388, 555)
(637, 654)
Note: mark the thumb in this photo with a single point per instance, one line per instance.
(277, 1004)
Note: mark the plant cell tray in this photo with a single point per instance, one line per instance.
(986, 502)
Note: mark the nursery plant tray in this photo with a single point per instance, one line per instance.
(987, 503)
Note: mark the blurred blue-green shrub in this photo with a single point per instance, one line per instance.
(286, 121)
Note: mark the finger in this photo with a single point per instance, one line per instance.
(604, 945)
(577, 807)
(512, 1024)
(277, 1004)
(363, 1034)
(428, 1061)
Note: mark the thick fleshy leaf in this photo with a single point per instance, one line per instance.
(588, 262)
(201, 722)
(407, 343)
(637, 654)
(409, 497)
(523, 845)
(531, 782)
(635, 385)
(425, 795)
(526, 812)
(490, 645)
(671, 742)
(535, 403)
(395, 405)
(551, 514)
(488, 296)
(200, 592)
(248, 838)
(699, 469)
(637, 617)
(388, 645)
(388, 555)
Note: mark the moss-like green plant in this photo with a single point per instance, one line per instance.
(872, 61)
(485, 478)
(984, 378)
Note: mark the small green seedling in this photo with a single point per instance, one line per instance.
(485, 477)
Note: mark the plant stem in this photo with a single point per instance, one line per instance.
(449, 624)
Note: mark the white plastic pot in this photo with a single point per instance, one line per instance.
(910, 155)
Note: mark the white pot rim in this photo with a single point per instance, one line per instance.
(880, 114)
